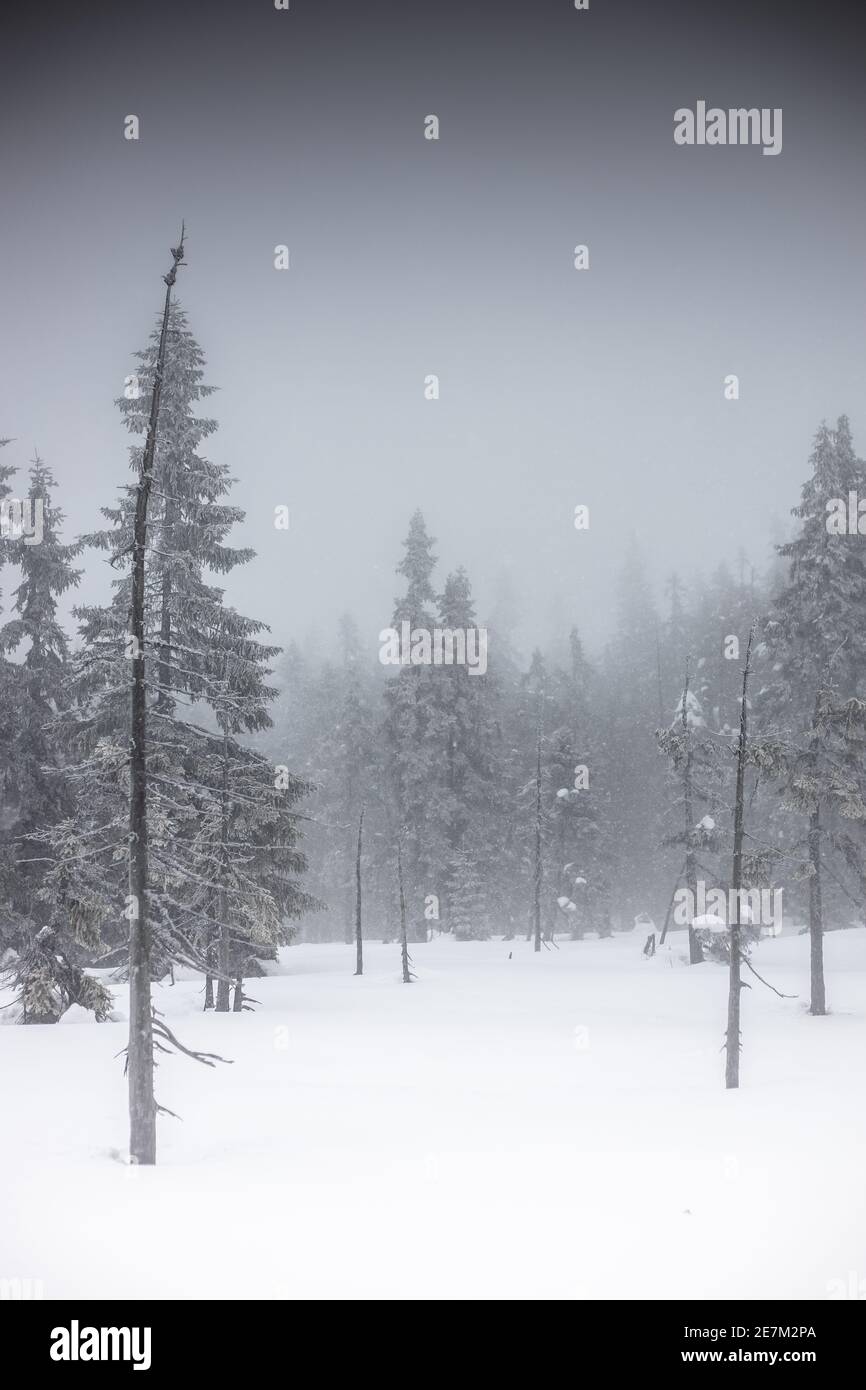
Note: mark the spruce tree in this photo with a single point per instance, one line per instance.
(815, 643)
(468, 905)
(223, 839)
(52, 931)
(244, 859)
(411, 734)
(463, 799)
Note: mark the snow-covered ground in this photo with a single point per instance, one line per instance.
(550, 1126)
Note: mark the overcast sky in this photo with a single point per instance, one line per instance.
(454, 257)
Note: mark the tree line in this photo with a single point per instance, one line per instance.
(157, 772)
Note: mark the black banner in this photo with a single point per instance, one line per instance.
(65, 1338)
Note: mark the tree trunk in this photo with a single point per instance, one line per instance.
(238, 1005)
(224, 981)
(732, 1035)
(210, 957)
(404, 940)
(537, 884)
(359, 941)
(696, 954)
(142, 1105)
(818, 1005)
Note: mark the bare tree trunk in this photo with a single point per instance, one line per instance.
(142, 1105)
(224, 981)
(404, 940)
(818, 1005)
(537, 899)
(359, 941)
(732, 1036)
(210, 956)
(238, 1005)
(696, 954)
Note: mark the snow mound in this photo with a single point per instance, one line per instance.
(708, 921)
(75, 1014)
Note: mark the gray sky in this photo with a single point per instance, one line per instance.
(453, 257)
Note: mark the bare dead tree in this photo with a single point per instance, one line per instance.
(359, 941)
(142, 1105)
(735, 984)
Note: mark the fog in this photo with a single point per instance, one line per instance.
(411, 257)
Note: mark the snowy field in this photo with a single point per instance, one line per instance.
(534, 1127)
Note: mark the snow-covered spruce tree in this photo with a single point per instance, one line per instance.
(189, 520)
(410, 734)
(815, 673)
(504, 856)
(168, 627)
(244, 858)
(47, 973)
(464, 801)
(467, 898)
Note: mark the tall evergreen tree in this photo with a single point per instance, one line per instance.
(50, 933)
(245, 856)
(222, 834)
(464, 800)
(411, 733)
(815, 643)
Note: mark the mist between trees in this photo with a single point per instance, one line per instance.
(549, 793)
(638, 747)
